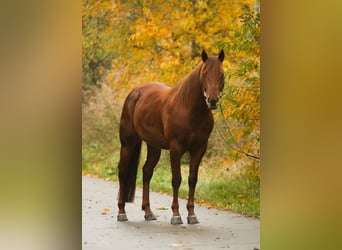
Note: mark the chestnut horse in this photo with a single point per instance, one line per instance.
(178, 119)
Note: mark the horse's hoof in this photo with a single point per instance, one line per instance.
(192, 219)
(150, 216)
(175, 220)
(122, 217)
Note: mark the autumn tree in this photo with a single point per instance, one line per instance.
(240, 117)
(126, 43)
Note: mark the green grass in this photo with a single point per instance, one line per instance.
(239, 194)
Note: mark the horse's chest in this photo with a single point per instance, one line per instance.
(200, 131)
(189, 131)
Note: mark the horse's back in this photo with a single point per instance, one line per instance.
(148, 94)
(152, 87)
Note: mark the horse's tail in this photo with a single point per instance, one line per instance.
(130, 149)
(129, 189)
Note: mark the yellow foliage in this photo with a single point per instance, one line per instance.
(162, 41)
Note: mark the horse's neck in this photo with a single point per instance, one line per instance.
(188, 90)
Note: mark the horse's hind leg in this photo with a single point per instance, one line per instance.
(153, 155)
(129, 158)
(125, 154)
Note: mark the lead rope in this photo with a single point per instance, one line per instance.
(239, 148)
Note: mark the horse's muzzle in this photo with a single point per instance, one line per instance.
(213, 103)
(213, 107)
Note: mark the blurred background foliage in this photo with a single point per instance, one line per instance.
(127, 43)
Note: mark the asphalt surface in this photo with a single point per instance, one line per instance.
(101, 230)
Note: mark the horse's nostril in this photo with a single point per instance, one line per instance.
(213, 102)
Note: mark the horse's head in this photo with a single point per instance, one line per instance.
(212, 78)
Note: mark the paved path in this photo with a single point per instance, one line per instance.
(100, 229)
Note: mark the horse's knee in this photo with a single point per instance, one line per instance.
(122, 174)
(176, 181)
(147, 174)
(192, 180)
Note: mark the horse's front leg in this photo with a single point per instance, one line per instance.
(196, 157)
(175, 157)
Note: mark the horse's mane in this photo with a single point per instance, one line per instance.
(187, 85)
(190, 84)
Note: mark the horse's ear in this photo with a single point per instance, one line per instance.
(204, 56)
(221, 56)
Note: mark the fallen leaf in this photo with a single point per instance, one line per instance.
(162, 208)
(105, 210)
